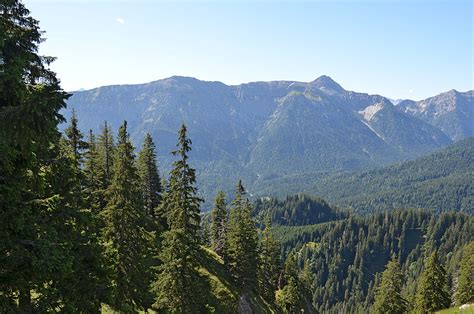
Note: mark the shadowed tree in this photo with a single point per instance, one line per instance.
(219, 223)
(127, 242)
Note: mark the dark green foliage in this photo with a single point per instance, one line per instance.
(440, 181)
(268, 263)
(105, 155)
(124, 234)
(74, 141)
(298, 210)
(388, 297)
(174, 287)
(432, 292)
(218, 223)
(295, 237)
(84, 286)
(288, 298)
(465, 285)
(86, 283)
(40, 222)
(291, 297)
(150, 182)
(241, 241)
(351, 252)
(92, 167)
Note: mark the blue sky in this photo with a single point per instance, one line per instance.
(400, 49)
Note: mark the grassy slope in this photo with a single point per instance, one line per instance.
(224, 294)
(456, 310)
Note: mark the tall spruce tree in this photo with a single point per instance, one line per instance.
(124, 234)
(105, 155)
(31, 223)
(388, 297)
(92, 184)
(150, 182)
(242, 241)
(84, 286)
(74, 141)
(175, 285)
(219, 223)
(432, 292)
(465, 285)
(269, 263)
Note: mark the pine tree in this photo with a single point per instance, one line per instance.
(150, 182)
(306, 279)
(432, 291)
(91, 173)
(174, 287)
(31, 222)
(465, 286)
(288, 299)
(84, 286)
(388, 298)
(74, 141)
(241, 241)
(269, 263)
(219, 223)
(105, 154)
(126, 239)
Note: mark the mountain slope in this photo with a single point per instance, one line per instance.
(441, 181)
(262, 130)
(452, 112)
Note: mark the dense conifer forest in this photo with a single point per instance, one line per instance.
(89, 224)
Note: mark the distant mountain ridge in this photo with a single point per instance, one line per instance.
(261, 130)
(452, 112)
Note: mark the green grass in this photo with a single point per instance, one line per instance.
(456, 310)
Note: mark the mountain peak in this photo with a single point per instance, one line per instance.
(325, 82)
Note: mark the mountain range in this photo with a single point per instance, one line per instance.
(266, 131)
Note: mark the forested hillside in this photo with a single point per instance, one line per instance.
(347, 256)
(440, 181)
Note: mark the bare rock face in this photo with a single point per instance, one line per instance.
(451, 112)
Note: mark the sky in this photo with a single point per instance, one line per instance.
(399, 49)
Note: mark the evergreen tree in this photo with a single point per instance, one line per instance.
(33, 222)
(126, 239)
(219, 223)
(465, 286)
(241, 241)
(288, 298)
(150, 182)
(388, 298)
(432, 292)
(91, 174)
(105, 154)
(174, 287)
(74, 141)
(306, 279)
(269, 263)
(84, 286)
